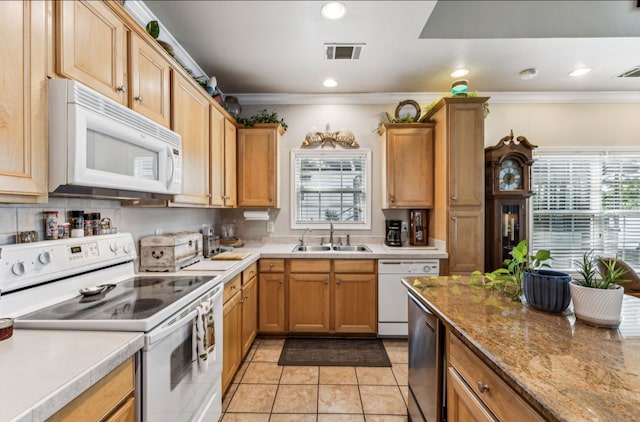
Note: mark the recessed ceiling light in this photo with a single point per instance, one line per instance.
(528, 74)
(459, 72)
(580, 72)
(330, 83)
(333, 10)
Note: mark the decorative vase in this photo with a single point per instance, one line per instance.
(547, 290)
(599, 307)
(232, 105)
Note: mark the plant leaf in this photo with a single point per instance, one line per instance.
(153, 28)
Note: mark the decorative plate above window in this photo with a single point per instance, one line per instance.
(316, 138)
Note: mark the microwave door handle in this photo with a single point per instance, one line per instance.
(173, 167)
(155, 337)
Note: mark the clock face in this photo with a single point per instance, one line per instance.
(510, 175)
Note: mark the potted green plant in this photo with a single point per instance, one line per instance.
(525, 275)
(597, 294)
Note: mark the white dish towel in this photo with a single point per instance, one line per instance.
(204, 334)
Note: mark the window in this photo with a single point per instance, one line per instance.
(586, 201)
(331, 186)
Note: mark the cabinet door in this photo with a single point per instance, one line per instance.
(149, 74)
(355, 303)
(249, 313)
(466, 241)
(309, 303)
(92, 47)
(190, 118)
(409, 169)
(257, 167)
(23, 102)
(462, 403)
(271, 305)
(466, 154)
(216, 157)
(231, 339)
(230, 176)
(125, 413)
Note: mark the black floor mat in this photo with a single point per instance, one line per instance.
(333, 352)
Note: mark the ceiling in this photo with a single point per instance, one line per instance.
(277, 47)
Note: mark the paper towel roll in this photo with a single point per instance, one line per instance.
(256, 215)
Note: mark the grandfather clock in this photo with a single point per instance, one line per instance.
(507, 192)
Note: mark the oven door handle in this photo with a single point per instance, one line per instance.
(155, 337)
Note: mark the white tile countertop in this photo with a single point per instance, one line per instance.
(378, 251)
(43, 370)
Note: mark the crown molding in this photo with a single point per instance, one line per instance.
(560, 97)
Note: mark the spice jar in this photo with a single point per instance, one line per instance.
(6, 328)
(63, 231)
(51, 225)
(77, 223)
(88, 224)
(97, 227)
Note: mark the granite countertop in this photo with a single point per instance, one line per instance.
(43, 370)
(565, 369)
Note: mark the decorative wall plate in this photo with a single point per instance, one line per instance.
(408, 108)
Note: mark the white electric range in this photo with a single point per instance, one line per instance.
(41, 284)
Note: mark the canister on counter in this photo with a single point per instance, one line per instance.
(51, 225)
(97, 227)
(77, 223)
(88, 224)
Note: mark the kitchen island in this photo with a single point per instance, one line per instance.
(563, 369)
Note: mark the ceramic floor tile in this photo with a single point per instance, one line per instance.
(332, 417)
(262, 373)
(339, 399)
(385, 418)
(252, 350)
(398, 355)
(268, 351)
(338, 375)
(382, 400)
(299, 375)
(253, 398)
(228, 396)
(296, 399)
(401, 372)
(375, 376)
(245, 417)
(404, 389)
(292, 417)
(241, 371)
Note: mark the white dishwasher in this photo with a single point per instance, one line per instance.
(393, 311)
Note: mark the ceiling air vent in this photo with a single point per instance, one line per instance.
(343, 51)
(634, 72)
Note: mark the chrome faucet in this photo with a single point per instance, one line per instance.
(331, 233)
(301, 240)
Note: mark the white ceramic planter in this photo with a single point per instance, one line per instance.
(600, 307)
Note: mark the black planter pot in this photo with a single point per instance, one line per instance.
(547, 290)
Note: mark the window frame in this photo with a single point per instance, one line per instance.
(325, 225)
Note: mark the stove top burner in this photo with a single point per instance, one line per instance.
(136, 298)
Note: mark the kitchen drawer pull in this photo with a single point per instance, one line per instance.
(483, 387)
(271, 265)
(121, 88)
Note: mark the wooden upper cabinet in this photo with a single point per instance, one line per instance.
(407, 165)
(222, 161)
(149, 89)
(92, 47)
(23, 102)
(190, 118)
(258, 165)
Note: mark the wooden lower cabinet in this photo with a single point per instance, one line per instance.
(355, 303)
(476, 393)
(249, 308)
(231, 338)
(309, 303)
(466, 240)
(271, 297)
(109, 400)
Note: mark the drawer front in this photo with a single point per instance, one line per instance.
(231, 287)
(354, 265)
(310, 265)
(249, 273)
(505, 403)
(268, 265)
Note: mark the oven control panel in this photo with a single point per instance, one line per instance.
(27, 264)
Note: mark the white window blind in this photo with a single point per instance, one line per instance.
(331, 186)
(586, 201)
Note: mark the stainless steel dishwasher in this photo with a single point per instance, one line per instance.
(392, 295)
(426, 364)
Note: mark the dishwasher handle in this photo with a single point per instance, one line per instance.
(430, 320)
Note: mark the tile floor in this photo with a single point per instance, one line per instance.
(265, 392)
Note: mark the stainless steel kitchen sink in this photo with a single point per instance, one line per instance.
(354, 248)
(311, 248)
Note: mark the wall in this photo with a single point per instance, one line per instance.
(545, 125)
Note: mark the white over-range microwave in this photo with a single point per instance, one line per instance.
(99, 148)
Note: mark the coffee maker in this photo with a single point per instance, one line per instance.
(393, 230)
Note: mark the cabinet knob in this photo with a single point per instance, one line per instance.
(337, 281)
(482, 387)
(454, 197)
(121, 88)
(392, 199)
(271, 265)
(281, 281)
(270, 199)
(139, 98)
